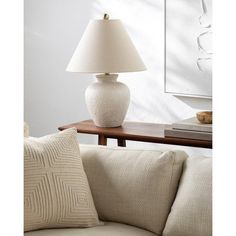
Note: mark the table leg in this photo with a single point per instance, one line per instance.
(121, 142)
(102, 140)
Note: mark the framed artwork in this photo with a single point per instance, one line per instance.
(188, 47)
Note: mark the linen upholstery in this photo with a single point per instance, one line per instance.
(57, 193)
(109, 229)
(135, 187)
(191, 213)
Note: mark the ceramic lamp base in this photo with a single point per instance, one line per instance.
(107, 100)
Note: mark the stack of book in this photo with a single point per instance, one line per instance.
(190, 129)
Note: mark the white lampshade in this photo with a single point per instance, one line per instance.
(105, 48)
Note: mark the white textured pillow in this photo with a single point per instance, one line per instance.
(135, 187)
(57, 193)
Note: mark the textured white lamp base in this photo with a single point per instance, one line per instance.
(107, 100)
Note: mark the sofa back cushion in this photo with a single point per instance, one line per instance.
(191, 213)
(135, 187)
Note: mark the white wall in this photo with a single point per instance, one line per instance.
(54, 97)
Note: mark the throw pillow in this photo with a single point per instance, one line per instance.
(56, 189)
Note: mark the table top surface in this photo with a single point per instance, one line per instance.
(136, 131)
(128, 128)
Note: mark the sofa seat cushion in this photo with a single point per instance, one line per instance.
(135, 187)
(108, 229)
(191, 213)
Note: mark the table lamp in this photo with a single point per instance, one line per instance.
(105, 49)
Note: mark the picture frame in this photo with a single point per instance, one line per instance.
(187, 49)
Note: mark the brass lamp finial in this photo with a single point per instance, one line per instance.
(106, 16)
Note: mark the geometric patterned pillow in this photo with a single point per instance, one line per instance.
(56, 189)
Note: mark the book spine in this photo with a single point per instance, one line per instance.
(188, 134)
(191, 128)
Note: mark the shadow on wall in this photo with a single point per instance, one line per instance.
(204, 104)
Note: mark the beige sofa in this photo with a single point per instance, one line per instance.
(173, 200)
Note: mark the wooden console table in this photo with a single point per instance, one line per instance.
(135, 131)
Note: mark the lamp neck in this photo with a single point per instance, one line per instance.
(107, 77)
